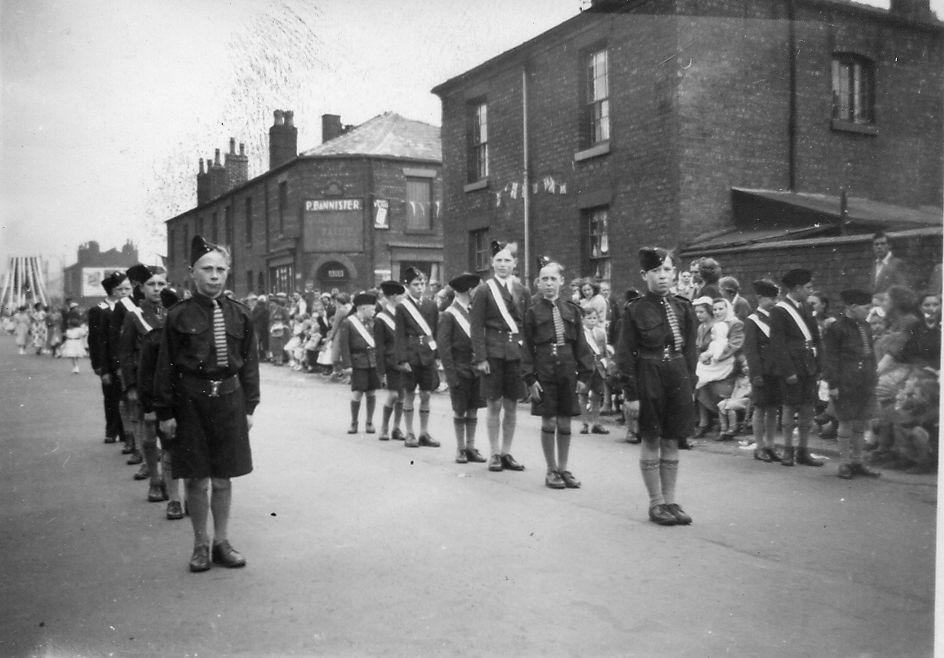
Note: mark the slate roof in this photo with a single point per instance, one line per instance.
(387, 135)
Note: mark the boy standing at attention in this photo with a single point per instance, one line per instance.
(359, 353)
(416, 320)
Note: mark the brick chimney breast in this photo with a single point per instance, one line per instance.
(283, 138)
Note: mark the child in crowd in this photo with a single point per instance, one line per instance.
(556, 365)
(729, 407)
(74, 348)
(358, 352)
(591, 398)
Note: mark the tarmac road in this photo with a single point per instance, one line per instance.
(357, 547)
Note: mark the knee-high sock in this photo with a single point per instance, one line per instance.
(397, 413)
(355, 410)
(385, 420)
(858, 439)
(493, 423)
(547, 445)
(458, 424)
(787, 424)
(408, 419)
(563, 447)
(651, 478)
(804, 424)
(220, 503)
(471, 422)
(371, 405)
(172, 485)
(668, 472)
(508, 424)
(844, 437)
(424, 420)
(198, 505)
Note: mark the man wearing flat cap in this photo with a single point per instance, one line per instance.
(797, 356)
(765, 385)
(656, 358)
(417, 319)
(850, 372)
(116, 286)
(455, 350)
(206, 390)
(496, 314)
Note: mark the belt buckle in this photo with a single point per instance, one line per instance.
(511, 337)
(554, 349)
(666, 353)
(214, 388)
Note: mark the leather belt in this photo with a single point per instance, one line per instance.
(212, 388)
(668, 353)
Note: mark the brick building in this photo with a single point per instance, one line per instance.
(764, 132)
(346, 214)
(82, 281)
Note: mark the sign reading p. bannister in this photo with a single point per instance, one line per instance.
(332, 205)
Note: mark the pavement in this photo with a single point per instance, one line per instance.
(359, 548)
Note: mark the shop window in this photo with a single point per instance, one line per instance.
(479, 251)
(853, 81)
(477, 132)
(282, 278)
(419, 204)
(598, 262)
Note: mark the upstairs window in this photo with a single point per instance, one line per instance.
(597, 98)
(478, 142)
(480, 257)
(853, 89)
(419, 204)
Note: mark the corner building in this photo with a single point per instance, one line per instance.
(349, 213)
(760, 132)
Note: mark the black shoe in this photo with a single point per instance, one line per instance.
(569, 480)
(860, 469)
(772, 455)
(599, 429)
(461, 456)
(760, 454)
(397, 435)
(683, 444)
(661, 515)
(110, 439)
(681, 518)
(804, 457)
(369, 429)
(553, 480)
(428, 441)
(495, 463)
(155, 494)
(352, 429)
(474, 455)
(135, 459)
(127, 450)
(383, 437)
(844, 472)
(632, 437)
(143, 473)
(174, 511)
(200, 560)
(585, 429)
(507, 461)
(226, 555)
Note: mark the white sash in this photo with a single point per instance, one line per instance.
(805, 330)
(761, 324)
(420, 320)
(462, 321)
(591, 341)
(132, 308)
(387, 320)
(502, 307)
(356, 323)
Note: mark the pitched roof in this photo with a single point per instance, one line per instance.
(386, 135)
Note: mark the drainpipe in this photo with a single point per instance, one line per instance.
(792, 121)
(526, 176)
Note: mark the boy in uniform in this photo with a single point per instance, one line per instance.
(128, 408)
(454, 339)
(556, 365)
(656, 360)
(359, 354)
(416, 320)
(850, 372)
(498, 307)
(765, 386)
(796, 353)
(116, 286)
(206, 390)
(388, 369)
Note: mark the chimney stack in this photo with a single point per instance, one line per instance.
(330, 127)
(237, 166)
(203, 185)
(918, 10)
(283, 138)
(217, 175)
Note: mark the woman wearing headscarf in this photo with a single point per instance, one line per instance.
(715, 369)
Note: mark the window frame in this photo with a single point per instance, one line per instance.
(852, 75)
(477, 165)
(408, 209)
(595, 119)
(480, 261)
(596, 223)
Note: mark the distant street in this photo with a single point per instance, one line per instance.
(357, 547)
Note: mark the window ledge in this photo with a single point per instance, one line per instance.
(594, 151)
(477, 185)
(848, 126)
(419, 231)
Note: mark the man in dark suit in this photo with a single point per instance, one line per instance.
(796, 353)
(498, 307)
(416, 321)
(887, 270)
(455, 351)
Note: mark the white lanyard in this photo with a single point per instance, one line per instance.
(805, 330)
(591, 341)
(132, 308)
(462, 321)
(763, 326)
(502, 308)
(387, 320)
(417, 317)
(356, 323)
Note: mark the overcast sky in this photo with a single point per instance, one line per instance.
(106, 105)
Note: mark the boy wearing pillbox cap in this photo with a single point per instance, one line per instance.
(99, 317)
(359, 354)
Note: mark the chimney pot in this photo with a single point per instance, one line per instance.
(216, 158)
(232, 145)
(289, 117)
(201, 165)
(242, 149)
(278, 118)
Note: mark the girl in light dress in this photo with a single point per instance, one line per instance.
(74, 345)
(21, 328)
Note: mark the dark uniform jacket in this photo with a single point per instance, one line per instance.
(788, 349)
(413, 345)
(541, 357)
(187, 349)
(355, 352)
(149, 349)
(847, 364)
(455, 346)
(133, 332)
(386, 340)
(756, 346)
(645, 330)
(490, 333)
(98, 327)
